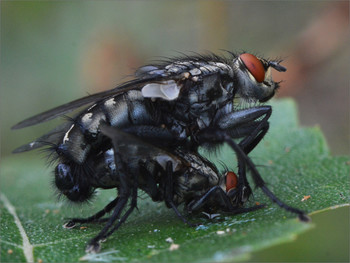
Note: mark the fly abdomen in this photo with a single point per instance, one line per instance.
(90, 122)
(125, 110)
(82, 135)
(74, 145)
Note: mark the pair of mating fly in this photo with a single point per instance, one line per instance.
(145, 133)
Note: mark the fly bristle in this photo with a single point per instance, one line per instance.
(50, 152)
(194, 57)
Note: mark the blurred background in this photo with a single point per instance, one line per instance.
(54, 52)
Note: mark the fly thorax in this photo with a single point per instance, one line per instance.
(207, 94)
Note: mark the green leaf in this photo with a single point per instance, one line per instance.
(295, 162)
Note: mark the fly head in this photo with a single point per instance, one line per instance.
(237, 193)
(254, 77)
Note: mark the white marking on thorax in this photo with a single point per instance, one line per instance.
(185, 63)
(209, 68)
(195, 71)
(174, 69)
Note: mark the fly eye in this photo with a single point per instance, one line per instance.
(254, 66)
(231, 181)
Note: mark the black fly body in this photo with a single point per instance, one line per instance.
(182, 103)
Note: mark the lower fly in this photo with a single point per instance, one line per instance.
(175, 176)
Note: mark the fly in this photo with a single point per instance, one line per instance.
(175, 177)
(181, 103)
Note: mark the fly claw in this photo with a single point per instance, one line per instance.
(145, 134)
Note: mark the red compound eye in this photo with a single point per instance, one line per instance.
(254, 66)
(231, 181)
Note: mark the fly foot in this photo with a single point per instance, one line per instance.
(93, 247)
(69, 224)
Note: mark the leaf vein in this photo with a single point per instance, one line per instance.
(27, 247)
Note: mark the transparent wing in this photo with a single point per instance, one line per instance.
(70, 106)
(131, 145)
(52, 137)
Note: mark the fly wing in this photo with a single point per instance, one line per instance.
(132, 147)
(123, 140)
(70, 106)
(52, 137)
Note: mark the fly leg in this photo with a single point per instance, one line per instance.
(151, 185)
(243, 190)
(247, 145)
(251, 124)
(169, 193)
(122, 199)
(133, 205)
(217, 199)
(94, 244)
(222, 136)
(94, 218)
(261, 183)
